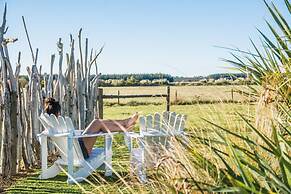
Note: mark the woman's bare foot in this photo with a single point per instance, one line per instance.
(132, 120)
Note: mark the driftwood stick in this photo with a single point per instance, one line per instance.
(68, 59)
(96, 56)
(9, 130)
(50, 79)
(60, 76)
(18, 66)
(36, 56)
(81, 53)
(33, 105)
(73, 82)
(86, 86)
(34, 110)
(27, 36)
(86, 56)
(28, 69)
(40, 94)
(80, 97)
(68, 65)
(91, 55)
(12, 79)
(19, 130)
(19, 57)
(6, 157)
(72, 57)
(20, 134)
(3, 31)
(28, 135)
(40, 69)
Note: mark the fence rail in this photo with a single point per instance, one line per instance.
(134, 96)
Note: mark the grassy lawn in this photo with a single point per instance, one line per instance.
(223, 114)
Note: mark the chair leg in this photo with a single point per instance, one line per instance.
(141, 173)
(137, 166)
(51, 172)
(83, 172)
(108, 155)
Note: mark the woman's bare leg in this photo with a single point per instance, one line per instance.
(98, 125)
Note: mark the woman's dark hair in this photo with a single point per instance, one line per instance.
(51, 106)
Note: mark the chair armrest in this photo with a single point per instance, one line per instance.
(46, 133)
(129, 137)
(133, 135)
(78, 132)
(60, 135)
(94, 135)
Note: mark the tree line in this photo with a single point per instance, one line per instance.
(155, 79)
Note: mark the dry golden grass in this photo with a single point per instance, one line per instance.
(221, 113)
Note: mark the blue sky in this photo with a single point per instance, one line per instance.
(140, 36)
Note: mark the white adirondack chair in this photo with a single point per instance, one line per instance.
(63, 135)
(156, 132)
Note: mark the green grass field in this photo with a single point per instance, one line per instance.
(223, 114)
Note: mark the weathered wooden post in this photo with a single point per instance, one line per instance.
(9, 99)
(176, 96)
(168, 98)
(231, 95)
(118, 94)
(100, 103)
(50, 88)
(60, 76)
(33, 102)
(34, 110)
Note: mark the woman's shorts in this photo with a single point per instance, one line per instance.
(83, 148)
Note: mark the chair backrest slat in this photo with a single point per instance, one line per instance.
(54, 122)
(155, 145)
(149, 121)
(142, 124)
(61, 125)
(177, 122)
(44, 122)
(157, 121)
(69, 124)
(165, 120)
(183, 122)
(172, 118)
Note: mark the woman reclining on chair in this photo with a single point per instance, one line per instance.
(97, 125)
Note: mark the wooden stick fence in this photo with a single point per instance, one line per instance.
(76, 89)
(102, 96)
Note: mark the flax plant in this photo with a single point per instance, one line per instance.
(258, 158)
(270, 68)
